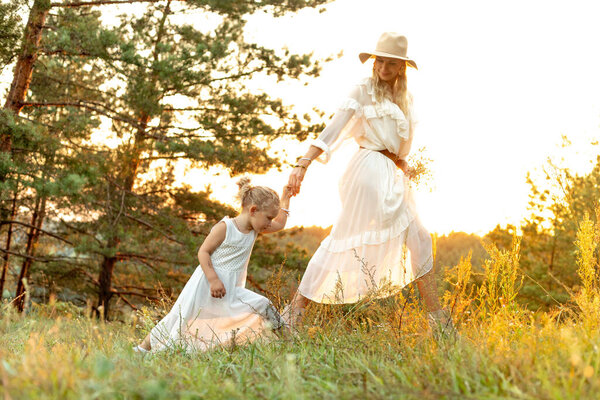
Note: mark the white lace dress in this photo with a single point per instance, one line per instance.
(199, 321)
(366, 251)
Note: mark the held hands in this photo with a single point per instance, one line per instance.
(217, 289)
(297, 175)
(287, 192)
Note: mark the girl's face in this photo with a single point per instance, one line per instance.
(388, 69)
(261, 220)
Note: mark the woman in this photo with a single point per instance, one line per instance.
(365, 253)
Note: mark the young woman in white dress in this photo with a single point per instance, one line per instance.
(365, 253)
(214, 307)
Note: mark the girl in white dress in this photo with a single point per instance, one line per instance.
(214, 307)
(366, 251)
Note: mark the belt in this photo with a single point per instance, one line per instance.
(397, 160)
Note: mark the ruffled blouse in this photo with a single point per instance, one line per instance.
(374, 125)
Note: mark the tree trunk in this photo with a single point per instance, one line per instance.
(24, 67)
(6, 257)
(105, 291)
(32, 240)
(127, 177)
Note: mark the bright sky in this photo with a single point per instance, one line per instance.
(498, 84)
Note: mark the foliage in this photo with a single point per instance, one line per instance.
(167, 95)
(10, 31)
(376, 348)
(548, 257)
(452, 247)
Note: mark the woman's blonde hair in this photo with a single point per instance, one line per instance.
(262, 197)
(399, 93)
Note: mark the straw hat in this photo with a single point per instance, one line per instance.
(390, 45)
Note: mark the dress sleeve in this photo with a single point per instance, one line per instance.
(332, 134)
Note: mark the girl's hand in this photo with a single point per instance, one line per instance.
(217, 289)
(295, 180)
(287, 192)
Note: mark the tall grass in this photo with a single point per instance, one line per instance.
(375, 349)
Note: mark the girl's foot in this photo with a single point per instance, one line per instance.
(140, 349)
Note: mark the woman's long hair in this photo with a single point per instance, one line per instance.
(399, 93)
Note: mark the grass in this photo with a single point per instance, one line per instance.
(375, 349)
(63, 355)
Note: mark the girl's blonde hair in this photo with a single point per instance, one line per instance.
(399, 93)
(262, 197)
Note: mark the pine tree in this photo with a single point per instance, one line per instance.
(128, 209)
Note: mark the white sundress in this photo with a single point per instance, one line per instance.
(378, 244)
(199, 321)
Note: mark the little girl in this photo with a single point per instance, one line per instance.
(214, 307)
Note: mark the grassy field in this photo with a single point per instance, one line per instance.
(56, 353)
(374, 349)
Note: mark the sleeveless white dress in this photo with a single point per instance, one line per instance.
(378, 244)
(199, 321)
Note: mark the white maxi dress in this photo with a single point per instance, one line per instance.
(378, 245)
(199, 321)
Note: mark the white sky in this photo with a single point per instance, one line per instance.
(499, 82)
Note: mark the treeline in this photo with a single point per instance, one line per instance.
(546, 241)
(100, 118)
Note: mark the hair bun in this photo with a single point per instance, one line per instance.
(245, 187)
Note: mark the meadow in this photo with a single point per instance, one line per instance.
(375, 349)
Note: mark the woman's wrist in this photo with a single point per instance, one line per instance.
(303, 162)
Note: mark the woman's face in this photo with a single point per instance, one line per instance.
(388, 69)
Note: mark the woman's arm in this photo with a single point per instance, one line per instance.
(210, 244)
(298, 173)
(326, 139)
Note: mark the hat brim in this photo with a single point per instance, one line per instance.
(365, 56)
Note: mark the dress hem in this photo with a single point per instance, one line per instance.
(392, 293)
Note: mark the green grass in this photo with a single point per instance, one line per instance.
(375, 349)
(56, 353)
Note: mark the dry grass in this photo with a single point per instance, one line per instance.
(377, 348)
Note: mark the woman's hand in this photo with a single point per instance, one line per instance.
(217, 289)
(403, 165)
(296, 177)
(300, 167)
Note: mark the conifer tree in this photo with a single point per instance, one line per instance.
(167, 92)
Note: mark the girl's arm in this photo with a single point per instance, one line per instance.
(279, 221)
(212, 241)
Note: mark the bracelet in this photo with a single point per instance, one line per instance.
(286, 211)
(306, 158)
(299, 166)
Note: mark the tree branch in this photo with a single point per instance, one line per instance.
(137, 294)
(77, 4)
(92, 106)
(34, 227)
(124, 256)
(126, 301)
